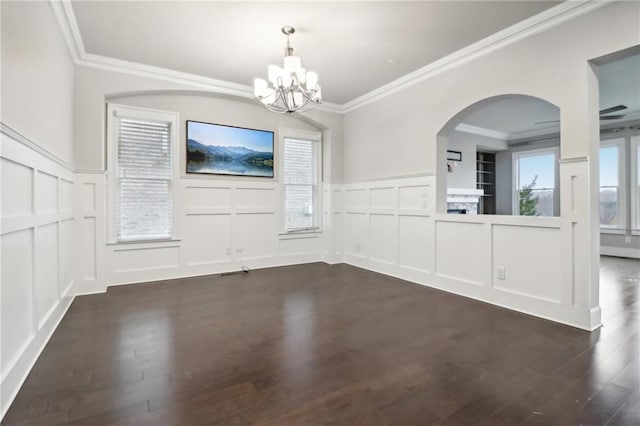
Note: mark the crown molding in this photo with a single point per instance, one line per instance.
(565, 11)
(63, 11)
(481, 131)
(67, 21)
(534, 133)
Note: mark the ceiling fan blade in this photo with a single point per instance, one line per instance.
(612, 117)
(545, 122)
(612, 109)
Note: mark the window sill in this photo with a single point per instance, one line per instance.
(132, 242)
(612, 231)
(294, 233)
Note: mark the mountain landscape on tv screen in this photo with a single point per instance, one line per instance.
(234, 160)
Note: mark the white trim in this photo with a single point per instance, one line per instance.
(634, 148)
(549, 18)
(515, 180)
(621, 190)
(610, 230)
(527, 135)
(481, 131)
(316, 139)
(63, 12)
(18, 137)
(620, 252)
(116, 110)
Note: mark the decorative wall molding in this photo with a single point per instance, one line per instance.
(391, 227)
(481, 131)
(5, 129)
(37, 233)
(565, 11)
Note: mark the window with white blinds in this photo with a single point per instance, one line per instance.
(301, 176)
(143, 200)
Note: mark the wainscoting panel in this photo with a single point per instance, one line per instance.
(91, 233)
(65, 251)
(89, 261)
(258, 198)
(199, 197)
(383, 198)
(415, 242)
(220, 226)
(356, 236)
(18, 304)
(17, 198)
(391, 226)
(46, 262)
(460, 250)
(384, 238)
(207, 238)
(413, 197)
(514, 247)
(36, 239)
(299, 245)
(255, 235)
(48, 186)
(356, 199)
(129, 259)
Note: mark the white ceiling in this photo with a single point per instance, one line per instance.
(514, 115)
(347, 43)
(620, 85)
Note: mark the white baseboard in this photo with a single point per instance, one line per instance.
(620, 252)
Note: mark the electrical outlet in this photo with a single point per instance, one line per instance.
(228, 252)
(357, 247)
(627, 239)
(501, 273)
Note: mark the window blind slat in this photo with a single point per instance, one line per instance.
(300, 184)
(143, 196)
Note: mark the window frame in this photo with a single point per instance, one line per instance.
(115, 111)
(316, 139)
(618, 142)
(634, 181)
(515, 178)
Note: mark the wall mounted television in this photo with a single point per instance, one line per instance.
(227, 150)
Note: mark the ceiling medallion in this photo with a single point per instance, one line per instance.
(292, 89)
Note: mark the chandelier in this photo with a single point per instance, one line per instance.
(292, 89)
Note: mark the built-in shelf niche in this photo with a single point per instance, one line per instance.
(486, 180)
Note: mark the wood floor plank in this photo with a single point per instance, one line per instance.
(319, 344)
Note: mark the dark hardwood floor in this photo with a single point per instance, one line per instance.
(319, 344)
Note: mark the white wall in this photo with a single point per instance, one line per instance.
(37, 228)
(221, 221)
(552, 65)
(37, 77)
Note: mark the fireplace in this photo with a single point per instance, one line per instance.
(463, 200)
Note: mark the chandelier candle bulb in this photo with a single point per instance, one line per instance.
(260, 87)
(274, 73)
(294, 89)
(312, 80)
